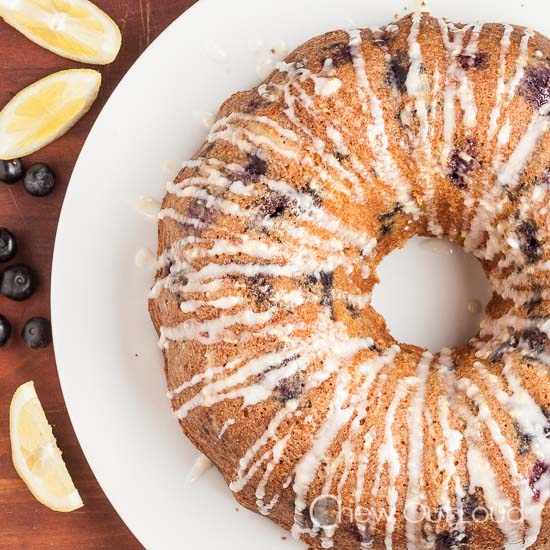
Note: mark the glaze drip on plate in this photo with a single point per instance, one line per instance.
(279, 369)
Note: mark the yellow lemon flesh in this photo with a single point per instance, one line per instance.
(75, 29)
(46, 110)
(36, 456)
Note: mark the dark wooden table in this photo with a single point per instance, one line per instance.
(24, 523)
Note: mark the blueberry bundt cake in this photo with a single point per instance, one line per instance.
(278, 367)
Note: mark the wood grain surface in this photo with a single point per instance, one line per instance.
(24, 523)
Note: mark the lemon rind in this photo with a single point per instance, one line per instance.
(104, 57)
(68, 503)
(7, 153)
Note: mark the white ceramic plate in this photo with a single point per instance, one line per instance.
(109, 365)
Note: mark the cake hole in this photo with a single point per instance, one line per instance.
(431, 294)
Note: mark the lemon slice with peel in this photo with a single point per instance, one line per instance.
(76, 29)
(46, 110)
(36, 456)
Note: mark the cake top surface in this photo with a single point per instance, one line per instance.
(269, 242)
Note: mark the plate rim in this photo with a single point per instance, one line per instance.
(56, 282)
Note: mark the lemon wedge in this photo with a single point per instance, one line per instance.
(46, 110)
(75, 29)
(36, 456)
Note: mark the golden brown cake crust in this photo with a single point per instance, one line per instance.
(279, 369)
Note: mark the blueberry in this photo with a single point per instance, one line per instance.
(39, 180)
(260, 288)
(198, 210)
(8, 245)
(461, 163)
(11, 171)
(18, 283)
(455, 540)
(353, 311)
(472, 61)
(289, 388)
(539, 469)
(327, 282)
(315, 194)
(275, 205)
(525, 440)
(255, 168)
(388, 218)
(398, 70)
(470, 505)
(535, 86)
(37, 333)
(530, 243)
(340, 53)
(5, 331)
(256, 104)
(535, 339)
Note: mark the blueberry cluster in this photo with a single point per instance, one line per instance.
(18, 281)
(38, 179)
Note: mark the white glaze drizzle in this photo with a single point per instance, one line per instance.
(416, 497)
(385, 165)
(226, 425)
(200, 467)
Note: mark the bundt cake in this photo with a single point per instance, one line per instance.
(278, 367)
